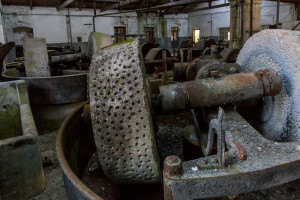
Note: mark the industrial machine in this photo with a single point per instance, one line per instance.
(250, 106)
(245, 123)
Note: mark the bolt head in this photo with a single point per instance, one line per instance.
(172, 166)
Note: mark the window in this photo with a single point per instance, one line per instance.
(196, 35)
(224, 34)
(174, 33)
(120, 34)
(149, 34)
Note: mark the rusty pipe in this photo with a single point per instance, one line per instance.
(217, 91)
(68, 58)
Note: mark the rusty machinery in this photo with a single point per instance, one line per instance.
(188, 50)
(224, 62)
(60, 58)
(4, 50)
(157, 60)
(250, 106)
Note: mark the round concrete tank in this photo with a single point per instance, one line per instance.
(52, 98)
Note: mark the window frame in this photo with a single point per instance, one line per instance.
(174, 34)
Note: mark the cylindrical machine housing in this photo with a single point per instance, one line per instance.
(218, 91)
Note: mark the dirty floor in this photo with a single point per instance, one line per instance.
(55, 186)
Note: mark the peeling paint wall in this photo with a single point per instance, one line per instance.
(162, 28)
(209, 21)
(52, 24)
(287, 13)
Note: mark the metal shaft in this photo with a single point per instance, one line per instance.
(218, 91)
(67, 58)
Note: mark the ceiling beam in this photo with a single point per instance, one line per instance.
(157, 2)
(107, 1)
(164, 11)
(208, 8)
(64, 4)
(57, 4)
(103, 6)
(181, 9)
(287, 1)
(141, 3)
(80, 5)
(166, 5)
(180, 3)
(120, 4)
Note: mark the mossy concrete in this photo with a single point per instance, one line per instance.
(10, 123)
(97, 41)
(36, 57)
(21, 171)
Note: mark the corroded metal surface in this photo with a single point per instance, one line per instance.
(203, 44)
(200, 68)
(73, 136)
(263, 168)
(156, 53)
(4, 49)
(222, 68)
(121, 115)
(219, 127)
(179, 70)
(173, 97)
(219, 91)
(278, 50)
(191, 70)
(146, 48)
(36, 57)
(52, 90)
(229, 54)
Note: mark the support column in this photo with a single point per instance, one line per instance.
(240, 21)
(298, 11)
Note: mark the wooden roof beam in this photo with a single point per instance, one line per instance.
(65, 4)
(208, 8)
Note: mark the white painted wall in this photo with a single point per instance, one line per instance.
(269, 9)
(52, 24)
(180, 21)
(104, 25)
(209, 21)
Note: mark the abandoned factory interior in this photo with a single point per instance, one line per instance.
(150, 99)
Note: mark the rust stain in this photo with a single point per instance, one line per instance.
(191, 71)
(241, 149)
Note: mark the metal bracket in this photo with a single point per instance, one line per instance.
(224, 137)
(266, 164)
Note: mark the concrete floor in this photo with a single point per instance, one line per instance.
(54, 182)
(55, 186)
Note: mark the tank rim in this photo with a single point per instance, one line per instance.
(67, 171)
